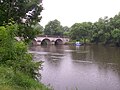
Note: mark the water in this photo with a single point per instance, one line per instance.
(79, 68)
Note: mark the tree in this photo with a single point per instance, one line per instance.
(116, 21)
(86, 31)
(101, 30)
(81, 31)
(97, 32)
(53, 28)
(13, 53)
(105, 30)
(39, 28)
(23, 12)
(17, 10)
(75, 32)
(17, 69)
(116, 37)
(66, 31)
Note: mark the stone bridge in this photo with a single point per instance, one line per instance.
(50, 40)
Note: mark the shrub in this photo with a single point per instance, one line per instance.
(16, 64)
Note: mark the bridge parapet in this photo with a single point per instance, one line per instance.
(52, 36)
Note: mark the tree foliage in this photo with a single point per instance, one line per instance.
(105, 30)
(14, 54)
(23, 12)
(81, 31)
(17, 10)
(66, 31)
(16, 66)
(17, 69)
(53, 28)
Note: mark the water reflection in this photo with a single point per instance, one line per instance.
(85, 67)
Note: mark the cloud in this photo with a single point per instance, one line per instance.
(69, 12)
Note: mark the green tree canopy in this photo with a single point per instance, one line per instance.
(81, 31)
(66, 31)
(17, 10)
(116, 36)
(39, 28)
(53, 28)
(25, 13)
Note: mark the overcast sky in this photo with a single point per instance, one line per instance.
(69, 12)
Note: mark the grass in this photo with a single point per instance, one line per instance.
(18, 81)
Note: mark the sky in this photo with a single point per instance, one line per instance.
(69, 12)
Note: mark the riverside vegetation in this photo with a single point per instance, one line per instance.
(104, 31)
(17, 70)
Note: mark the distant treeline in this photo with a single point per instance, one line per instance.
(105, 30)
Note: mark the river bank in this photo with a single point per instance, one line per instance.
(90, 43)
(10, 80)
(17, 69)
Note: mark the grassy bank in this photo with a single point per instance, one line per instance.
(17, 69)
(10, 80)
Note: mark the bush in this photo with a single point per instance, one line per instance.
(17, 81)
(17, 69)
(14, 54)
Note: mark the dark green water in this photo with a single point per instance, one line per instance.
(79, 68)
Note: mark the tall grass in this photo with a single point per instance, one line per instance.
(18, 81)
(17, 69)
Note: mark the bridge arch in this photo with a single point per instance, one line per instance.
(45, 42)
(58, 42)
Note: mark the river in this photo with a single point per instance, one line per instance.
(92, 67)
